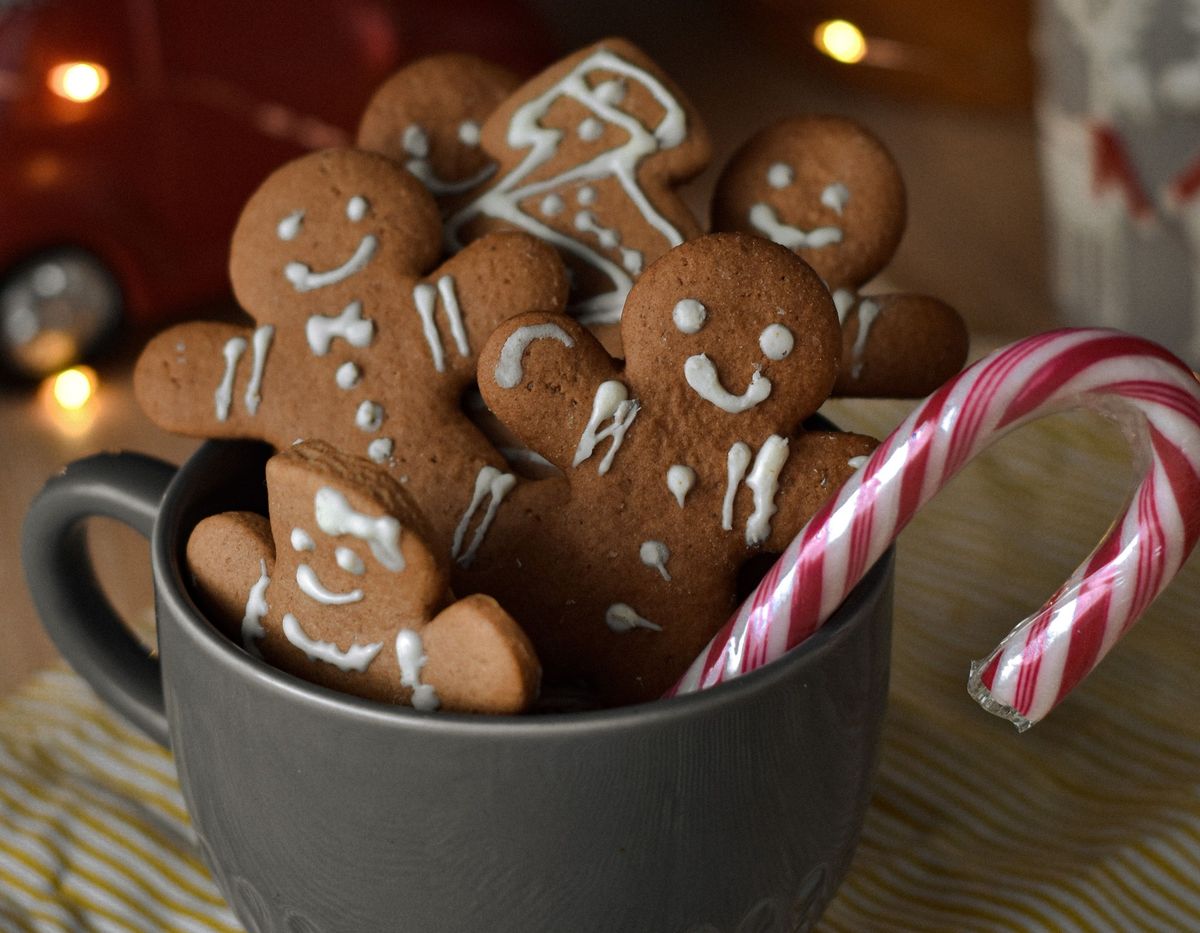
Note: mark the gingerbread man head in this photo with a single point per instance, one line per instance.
(340, 588)
(678, 468)
(830, 191)
(428, 116)
(354, 343)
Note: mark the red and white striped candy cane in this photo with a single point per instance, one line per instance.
(1157, 400)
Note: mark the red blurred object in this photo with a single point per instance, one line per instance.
(121, 179)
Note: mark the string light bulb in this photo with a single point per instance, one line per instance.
(841, 40)
(73, 388)
(78, 82)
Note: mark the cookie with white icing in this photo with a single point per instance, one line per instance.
(589, 154)
(340, 587)
(357, 341)
(829, 190)
(428, 117)
(678, 466)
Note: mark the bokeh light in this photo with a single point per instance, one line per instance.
(73, 388)
(841, 40)
(79, 82)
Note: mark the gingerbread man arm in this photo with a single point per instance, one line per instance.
(199, 354)
(493, 279)
(230, 556)
(546, 377)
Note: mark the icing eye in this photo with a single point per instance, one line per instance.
(689, 315)
(415, 141)
(290, 225)
(356, 207)
(302, 540)
(349, 561)
(835, 197)
(468, 133)
(776, 342)
(780, 175)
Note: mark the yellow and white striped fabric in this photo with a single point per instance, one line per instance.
(1090, 821)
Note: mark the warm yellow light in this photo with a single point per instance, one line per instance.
(841, 41)
(74, 388)
(78, 81)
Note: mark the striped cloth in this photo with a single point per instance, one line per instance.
(1090, 821)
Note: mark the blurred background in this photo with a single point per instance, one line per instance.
(1051, 154)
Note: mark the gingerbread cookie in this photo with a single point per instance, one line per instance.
(428, 116)
(589, 153)
(678, 467)
(340, 588)
(353, 345)
(830, 191)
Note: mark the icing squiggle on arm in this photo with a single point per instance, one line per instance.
(425, 298)
(233, 350)
(256, 609)
(490, 484)
(410, 655)
(508, 368)
(612, 401)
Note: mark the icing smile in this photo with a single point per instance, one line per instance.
(311, 586)
(764, 219)
(702, 376)
(303, 279)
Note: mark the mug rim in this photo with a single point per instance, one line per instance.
(172, 593)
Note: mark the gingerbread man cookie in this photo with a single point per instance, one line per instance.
(353, 345)
(340, 588)
(678, 467)
(830, 191)
(589, 153)
(428, 116)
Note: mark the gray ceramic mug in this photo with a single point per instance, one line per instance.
(736, 809)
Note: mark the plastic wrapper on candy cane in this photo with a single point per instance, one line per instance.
(1156, 399)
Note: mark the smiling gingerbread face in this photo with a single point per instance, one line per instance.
(334, 226)
(727, 354)
(821, 186)
(428, 117)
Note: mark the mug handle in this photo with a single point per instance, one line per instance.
(73, 608)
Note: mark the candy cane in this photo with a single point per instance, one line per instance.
(1154, 396)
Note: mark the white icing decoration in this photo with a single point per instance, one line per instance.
(468, 133)
(303, 279)
(611, 91)
(425, 298)
(843, 301)
(868, 313)
(490, 484)
(312, 587)
(835, 197)
(508, 367)
(349, 325)
(764, 483)
(780, 175)
(776, 341)
(355, 658)
(289, 227)
(656, 554)
(369, 416)
(416, 144)
(586, 222)
(335, 517)
(621, 618)
(764, 219)
(689, 315)
(415, 141)
(611, 401)
(233, 350)
(349, 561)
(525, 132)
(356, 208)
(857, 463)
(680, 480)
(256, 609)
(586, 195)
(591, 129)
(702, 376)
(302, 540)
(410, 655)
(262, 343)
(632, 260)
(552, 204)
(737, 460)
(348, 376)
(380, 449)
